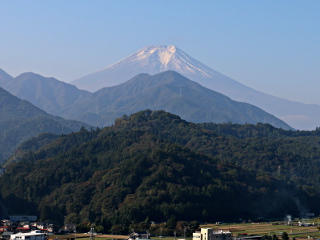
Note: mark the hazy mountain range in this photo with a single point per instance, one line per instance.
(20, 120)
(154, 59)
(49, 94)
(4, 78)
(63, 99)
(167, 91)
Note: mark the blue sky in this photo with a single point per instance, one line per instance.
(270, 45)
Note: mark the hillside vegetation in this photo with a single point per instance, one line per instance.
(20, 120)
(154, 165)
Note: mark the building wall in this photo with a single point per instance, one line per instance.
(28, 236)
(211, 234)
(196, 236)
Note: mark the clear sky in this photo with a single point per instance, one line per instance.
(269, 45)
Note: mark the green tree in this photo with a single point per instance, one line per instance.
(99, 229)
(194, 226)
(284, 236)
(171, 223)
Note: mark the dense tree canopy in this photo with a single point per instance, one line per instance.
(154, 165)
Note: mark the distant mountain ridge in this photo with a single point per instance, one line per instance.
(158, 58)
(4, 78)
(48, 94)
(102, 107)
(169, 91)
(20, 120)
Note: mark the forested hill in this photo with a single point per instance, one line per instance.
(20, 120)
(256, 131)
(259, 147)
(153, 164)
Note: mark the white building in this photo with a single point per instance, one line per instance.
(211, 234)
(28, 236)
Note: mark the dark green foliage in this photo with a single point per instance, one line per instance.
(154, 166)
(171, 222)
(20, 120)
(266, 237)
(33, 144)
(258, 130)
(284, 236)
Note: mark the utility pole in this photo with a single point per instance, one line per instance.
(91, 233)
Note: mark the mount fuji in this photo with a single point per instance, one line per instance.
(154, 59)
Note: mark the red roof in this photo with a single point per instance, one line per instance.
(4, 227)
(22, 228)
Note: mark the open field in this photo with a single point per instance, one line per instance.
(87, 237)
(262, 228)
(266, 228)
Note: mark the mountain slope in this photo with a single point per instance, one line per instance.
(21, 120)
(4, 78)
(153, 164)
(48, 94)
(167, 91)
(154, 59)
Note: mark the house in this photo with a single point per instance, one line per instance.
(41, 225)
(211, 234)
(52, 228)
(5, 229)
(6, 235)
(34, 224)
(70, 227)
(6, 222)
(23, 230)
(35, 235)
(139, 235)
(27, 225)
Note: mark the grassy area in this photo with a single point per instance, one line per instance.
(87, 237)
(266, 228)
(262, 228)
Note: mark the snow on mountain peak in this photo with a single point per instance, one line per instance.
(160, 58)
(161, 53)
(151, 59)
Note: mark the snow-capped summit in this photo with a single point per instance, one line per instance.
(164, 53)
(170, 58)
(151, 59)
